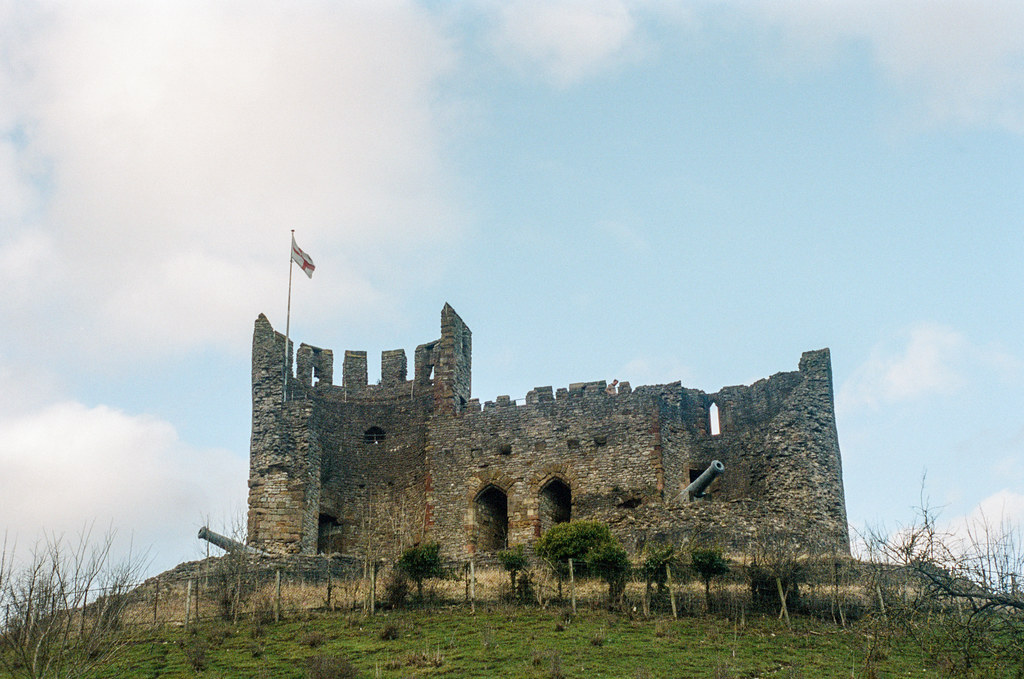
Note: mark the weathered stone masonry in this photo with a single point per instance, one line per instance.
(480, 478)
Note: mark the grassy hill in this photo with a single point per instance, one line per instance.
(504, 641)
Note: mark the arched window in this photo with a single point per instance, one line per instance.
(374, 435)
(491, 508)
(555, 504)
(713, 419)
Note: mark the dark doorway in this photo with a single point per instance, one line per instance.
(491, 520)
(555, 504)
(329, 535)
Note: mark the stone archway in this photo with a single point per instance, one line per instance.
(491, 512)
(554, 503)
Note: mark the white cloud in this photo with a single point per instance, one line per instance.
(173, 146)
(928, 363)
(956, 61)
(66, 466)
(569, 39)
(927, 360)
(997, 522)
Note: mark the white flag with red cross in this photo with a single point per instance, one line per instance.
(304, 261)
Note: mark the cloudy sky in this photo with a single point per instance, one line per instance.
(645, 190)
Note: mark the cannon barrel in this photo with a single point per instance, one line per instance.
(701, 483)
(226, 543)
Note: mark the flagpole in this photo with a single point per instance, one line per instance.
(288, 321)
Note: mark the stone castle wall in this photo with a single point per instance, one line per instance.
(332, 458)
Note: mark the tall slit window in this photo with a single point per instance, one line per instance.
(713, 419)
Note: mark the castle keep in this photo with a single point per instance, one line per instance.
(477, 478)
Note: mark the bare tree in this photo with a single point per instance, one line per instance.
(388, 525)
(62, 610)
(970, 581)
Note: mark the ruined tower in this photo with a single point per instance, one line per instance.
(478, 478)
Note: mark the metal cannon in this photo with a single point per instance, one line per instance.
(698, 486)
(227, 544)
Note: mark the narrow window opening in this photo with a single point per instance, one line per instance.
(713, 419)
(491, 520)
(695, 474)
(555, 504)
(374, 435)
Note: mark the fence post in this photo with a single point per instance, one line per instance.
(330, 584)
(472, 586)
(277, 596)
(373, 588)
(671, 592)
(156, 599)
(782, 598)
(188, 602)
(572, 586)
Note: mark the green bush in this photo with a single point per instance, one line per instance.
(593, 549)
(653, 563)
(515, 561)
(610, 562)
(421, 562)
(708, 563)
(571, 540)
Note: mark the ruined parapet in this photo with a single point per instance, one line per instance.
(354, 370)
(393, 368)
(314, 366)
(452, 364)
(424, 363)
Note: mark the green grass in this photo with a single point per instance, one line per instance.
(519, 642)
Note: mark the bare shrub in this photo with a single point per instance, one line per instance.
(64, 607)
(196, 650)
(330, 667)
(775, 559)
(958, 593)
(396, 590)
(313, 639)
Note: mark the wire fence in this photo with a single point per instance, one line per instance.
(233, 588)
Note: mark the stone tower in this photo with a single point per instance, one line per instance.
(477, 478)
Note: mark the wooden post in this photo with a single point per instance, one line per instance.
(572, 586)
(188, 602)
(644, 604)
(671, 592)
(782, 598)
(156, 599)
(373, 588)
(330, 583)
(277, 596)
(472, 586)
(238, 596)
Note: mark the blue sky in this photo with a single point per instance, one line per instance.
(637, 190)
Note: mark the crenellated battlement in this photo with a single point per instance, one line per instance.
(481, 476)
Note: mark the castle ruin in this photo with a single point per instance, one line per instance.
(479, 478)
